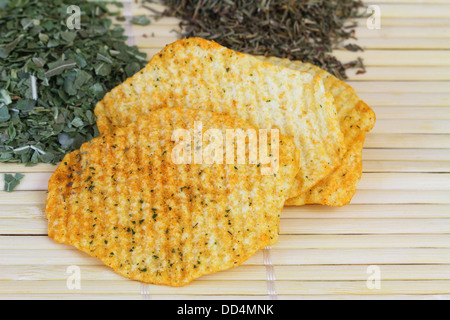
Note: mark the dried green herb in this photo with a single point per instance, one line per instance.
(306, 30)
(11, 182)
(51, 77)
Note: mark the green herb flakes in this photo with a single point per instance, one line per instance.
(52, 77)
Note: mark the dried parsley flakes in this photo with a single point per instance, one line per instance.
(51, 77)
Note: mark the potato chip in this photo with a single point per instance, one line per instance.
(126, 199)
(196, 73)
(356, 119)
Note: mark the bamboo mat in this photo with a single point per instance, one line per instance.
(397, 225)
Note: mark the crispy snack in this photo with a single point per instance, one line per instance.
(196, 73)
(356, 119)
(122, 199)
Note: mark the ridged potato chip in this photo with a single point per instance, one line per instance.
(124, 199)
(356, 119)
(196, 73)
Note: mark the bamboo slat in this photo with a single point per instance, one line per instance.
(132, 287)
(12, 168)
(360, 256)
(434, 32)
(242, 273)
(411, 113)
(355, 211)
(369, 297)
(389, 10)
(400, 197)
(407, 166)
(31, 198)
(369, 166)
(73, 296)
(373, 241)
(291, 256)
(368, 154)
(405, 181)
(407, 10)
(412, 22)
(428, 2)
(390, 58)
(92, 273)
(406, 99)
(64, 257)
(378, 57)
(149, 42)
(365, 226)
(412, 126)
(359, 272)
(287, 241)
(401, 86)
(311, 211)
(360, 287)
(402, 32)
(288, 226)
(217, 297)
(413, 73)
(407, 154)
(408, 141)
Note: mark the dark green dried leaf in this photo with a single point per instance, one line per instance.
(4, 97)
(103, 69)
(59, 67)
(68, 36)
(6, 49)
(4, 113)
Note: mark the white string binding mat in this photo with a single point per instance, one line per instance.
(271, 278)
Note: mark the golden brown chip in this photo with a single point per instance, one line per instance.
(356, 119)
(122, 199)
(196, 73)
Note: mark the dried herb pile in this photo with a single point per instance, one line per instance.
(51, 77)
(306, 30)
(12, 181)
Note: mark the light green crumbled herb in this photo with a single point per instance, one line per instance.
(12, 181)
(140, 20)
(52, 77)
